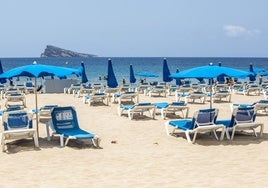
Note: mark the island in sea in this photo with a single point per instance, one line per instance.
(53, 51)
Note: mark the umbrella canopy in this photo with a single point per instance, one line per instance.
(147, 74)
(83, 73)
(2, 81)
(38, 70)
(166, 72)
(210, 72)
(111, 80)
(132, 78)
(264, 73)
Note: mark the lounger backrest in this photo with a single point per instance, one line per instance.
(17, 120)
(64, 118)
(205, 117)
(243, 115)
(29, 84)
(182, 103)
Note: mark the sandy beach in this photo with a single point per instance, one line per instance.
(143, 155)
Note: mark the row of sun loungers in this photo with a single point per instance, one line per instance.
(63, 121)
(18, 124)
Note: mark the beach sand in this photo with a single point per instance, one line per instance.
(143, 155)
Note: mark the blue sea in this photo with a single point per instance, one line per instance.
(96, 68)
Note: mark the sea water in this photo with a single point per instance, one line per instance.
(96, 68)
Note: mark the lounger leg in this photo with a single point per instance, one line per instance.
(188, 137)
(48, 133)
(222, 133)
(254, 132)
(215, 134)
(61, 140)
(163, 114)
(66, 142)
(119, 111)
(261, 130)
(232, 137)
(227, 133)
(166, 127)
(130, 115)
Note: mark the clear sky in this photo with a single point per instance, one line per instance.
(135, 28)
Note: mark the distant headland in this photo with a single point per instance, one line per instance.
(53, 51)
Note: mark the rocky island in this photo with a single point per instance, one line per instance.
(53, 51)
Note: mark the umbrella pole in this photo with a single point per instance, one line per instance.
(210, 83)
(36, 107)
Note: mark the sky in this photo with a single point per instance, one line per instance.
(135, 28)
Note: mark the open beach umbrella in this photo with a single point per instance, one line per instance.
(166, 72)
(38, 70)
(210, 72)
(132, 78)
(111, 80)
(83, 74)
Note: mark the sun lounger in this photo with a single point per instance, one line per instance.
(44, 113)
(84, 90)
(17, 125)
(95, 98)
(262, 106)
(29, 87)
(222, 94)
(72, 89)
(139, 109)
(64, 122)
(173, 107)
(12, 98)
(158, 90)
(202, 122)
(142, 88)
(243, 118)
(119, 97)
(250, 89)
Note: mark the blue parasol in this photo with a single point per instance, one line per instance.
(252, 77)
(132, 78)
(166, 72)
(210, 72)
(83, 74)
(111, 80)
(2, 80)
(38, 70)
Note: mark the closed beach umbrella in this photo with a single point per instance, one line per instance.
(111, 80)
(210, 72)
(2, 80)
(132, 78)
(38, 70)
(252, 77)
(166, 72)
(83, 74)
